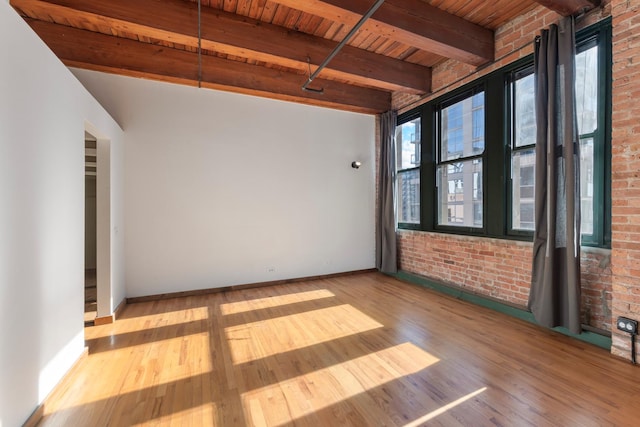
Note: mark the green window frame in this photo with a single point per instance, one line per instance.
(504, 155)
(408, 135)
(460, 148)
(596, 139)
(521, 144)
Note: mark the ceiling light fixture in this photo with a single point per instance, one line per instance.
(337, 49)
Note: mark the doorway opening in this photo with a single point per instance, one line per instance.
(90, 230)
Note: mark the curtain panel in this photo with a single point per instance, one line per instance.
(555, 284)
(386, 251)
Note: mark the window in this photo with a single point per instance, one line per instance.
(523, 153)
(477, 171)
(408, 142)
(589, 90)
(587, 107)
(459, 169)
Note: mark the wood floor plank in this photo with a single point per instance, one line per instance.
(350, 351)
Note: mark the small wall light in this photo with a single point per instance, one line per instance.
(356, 165)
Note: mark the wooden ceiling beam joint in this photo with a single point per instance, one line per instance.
(411, 22)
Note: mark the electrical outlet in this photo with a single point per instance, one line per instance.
(628, 325)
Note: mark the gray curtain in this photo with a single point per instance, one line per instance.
(386, 236)
(555, 284)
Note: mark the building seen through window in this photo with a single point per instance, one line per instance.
(408, 137)
(524, 139)
(459, 171)
(523, 153)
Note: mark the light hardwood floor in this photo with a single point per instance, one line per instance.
(362, 350)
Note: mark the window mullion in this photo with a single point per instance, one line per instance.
(495, 159)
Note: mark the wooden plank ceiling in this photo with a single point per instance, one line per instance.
(269, 47)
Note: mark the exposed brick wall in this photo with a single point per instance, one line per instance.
(596, 287)
(625, 165)
(491, 267)
(502, 268)
(400, 100)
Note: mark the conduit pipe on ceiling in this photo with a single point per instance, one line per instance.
(199, 44)
(340, 45)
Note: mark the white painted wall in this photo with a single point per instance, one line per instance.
(43, 114)
(224, 188)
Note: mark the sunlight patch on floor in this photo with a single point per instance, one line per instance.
(275, 301)
(174, 360)
(256, 340)
(202, 415)
(291, 399)
(143, 323)
(179, 359)
(420, 421)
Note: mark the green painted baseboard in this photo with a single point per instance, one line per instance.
(586, 336)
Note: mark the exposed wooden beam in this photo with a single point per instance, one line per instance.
(569, 7)
(412, 22)
(228, 33)
(95, 51)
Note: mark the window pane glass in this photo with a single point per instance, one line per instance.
(460, 194)
(409, 196)
(462, 128)
(586, 186)
(523, 189)
(524, 111)
(587, 90)
(408, 144)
